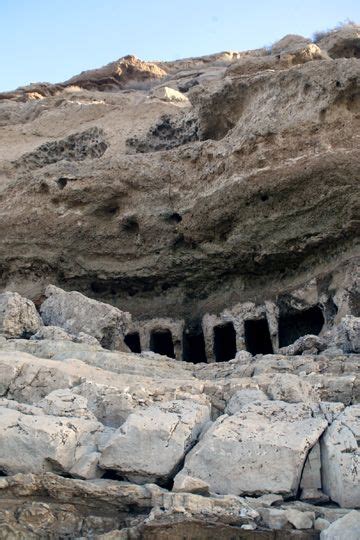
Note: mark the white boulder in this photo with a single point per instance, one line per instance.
(76, 313)
(149, 446)
(37, 444)
(18, 316)
(261, 449)
(243, 397)
(340, 459)
(345, 528)
(346, 335)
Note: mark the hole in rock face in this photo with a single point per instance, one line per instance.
(107, 208)
(132, 340)
(130, 224)
(194, 345)
(174, 218)
(257, 337)
(295, 324)
(61, 182)
(161, 342)
(224, 342)
(110, 474)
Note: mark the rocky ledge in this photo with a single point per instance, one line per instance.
(100, 443)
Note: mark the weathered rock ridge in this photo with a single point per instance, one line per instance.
(242, 192)
(179, 298)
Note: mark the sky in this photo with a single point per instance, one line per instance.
(52, 40)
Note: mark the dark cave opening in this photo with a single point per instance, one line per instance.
(295, 324)
(257, 337)
(194, 345)
(224, 342)
(132, 340)
(161, 342)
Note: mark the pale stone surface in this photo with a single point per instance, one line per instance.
(261, 449)
(56, 443)
(309, 344)
(18, 316)
(321, 524)
(340, 459)
(55, 333)
(243, 397)
(151, 443)
(344, 42)
(76, 313)
(169, 94)
(274, 518)
(300, 520)
(345, 528)
(345, 335)
(291, 388)
(186, 484)
(289, 41)
(64, 402)
(311, 476)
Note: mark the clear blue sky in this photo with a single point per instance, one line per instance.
(51, 40)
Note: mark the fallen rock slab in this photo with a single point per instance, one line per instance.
(18, 316)
(345, 528)
(76, 313)
(36, 444)
(340, 459)
(261, 449)
(151, 443)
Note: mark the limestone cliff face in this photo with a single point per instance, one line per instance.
(240, 188)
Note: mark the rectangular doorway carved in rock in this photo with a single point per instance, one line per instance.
(194, 345)
(132, 340)
(257, 337)
(161, 342)
(224, 342)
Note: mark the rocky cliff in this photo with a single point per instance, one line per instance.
(207, 384)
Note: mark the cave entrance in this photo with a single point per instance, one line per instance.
(194, 345)
(257, 337)
(296, 324)
(224, 342)
(132, 340)
(161, 342)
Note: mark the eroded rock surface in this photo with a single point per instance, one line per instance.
(202, 214)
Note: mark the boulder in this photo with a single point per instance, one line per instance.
(345, 528)
(291, 388)
(288, 42)
(321, 524)
(345, 335)
(309, 344)
(341, 43)
(149, 446)
(169, 94)
(76, 313)
(311, 476)
(18, 316)
(54, 333)
(300, 520)
(261, 449)
(273, 518)
(243, 397)
(36, 444)
(340, 459)
(64, 402)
